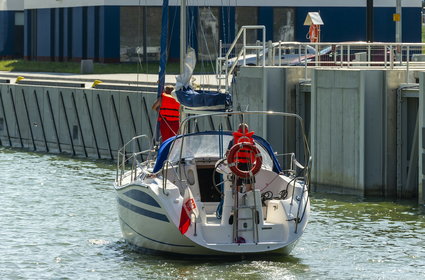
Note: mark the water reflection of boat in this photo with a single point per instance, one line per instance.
(183, 198)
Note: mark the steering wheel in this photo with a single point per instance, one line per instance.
(221, 167)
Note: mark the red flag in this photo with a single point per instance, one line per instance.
(189, 208)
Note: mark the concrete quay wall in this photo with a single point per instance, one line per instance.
(351, 122)
(81, 122)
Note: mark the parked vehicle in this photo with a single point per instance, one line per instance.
(284, 53)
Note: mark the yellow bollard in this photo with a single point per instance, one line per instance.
(96, 82)
(20, 78)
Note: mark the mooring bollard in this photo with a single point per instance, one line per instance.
(87, 66)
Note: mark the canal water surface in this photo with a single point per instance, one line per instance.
(58, 220)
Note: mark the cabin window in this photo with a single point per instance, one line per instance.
(206, 186)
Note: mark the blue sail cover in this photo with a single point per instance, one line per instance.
(204, 100)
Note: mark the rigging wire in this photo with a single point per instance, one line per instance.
(138, 43)
(207, 47)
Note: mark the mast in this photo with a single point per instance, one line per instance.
(183, 34)
(163, 51)
(398, 23)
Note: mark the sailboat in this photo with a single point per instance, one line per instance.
(192, 196)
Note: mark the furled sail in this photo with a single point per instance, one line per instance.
(202, 100)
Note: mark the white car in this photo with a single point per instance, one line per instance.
(291, 53)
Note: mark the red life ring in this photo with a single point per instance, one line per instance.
(313, 33)
(233, 163)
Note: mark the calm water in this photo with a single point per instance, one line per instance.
(58, 221)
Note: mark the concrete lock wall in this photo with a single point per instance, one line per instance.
(421, 157)
(274, 89)
(353, 130)
(352, 121)
(281, 89)
(82, 122)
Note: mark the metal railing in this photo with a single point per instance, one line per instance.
(356, 55)
(129, 160)
(400, 56)
(226, 65)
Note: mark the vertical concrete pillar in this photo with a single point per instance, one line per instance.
(337, 131)
(248, 93)
(392, 81)
(354, 130)
(421, 112)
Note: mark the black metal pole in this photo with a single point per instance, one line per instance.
(16, 117)
(79, 124)
(145, 106)
(54, 122)
(41, 121)
(91, 124)
(104, 126)
(29, 121)
(132, 121)
(117, 119)
(369, 21)
(67, 124)
(211, 122)
(5, 120)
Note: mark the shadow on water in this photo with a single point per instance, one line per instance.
(132, 253)
(161, 265)
(60, 158)
(373, 208)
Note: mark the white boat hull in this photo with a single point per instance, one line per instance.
(147, 224)
(189, 197)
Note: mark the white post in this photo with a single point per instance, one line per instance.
(398, 30)
(182, 34)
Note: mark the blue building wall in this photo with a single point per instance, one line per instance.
(45, 34)
(77, 33)
(58, 31)
(27, 34)
(69, 34)
(227, 33)
(109, 34)
(265, 17)
(94, 32)
(7, 23)
(349, 24)
(174, 30)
